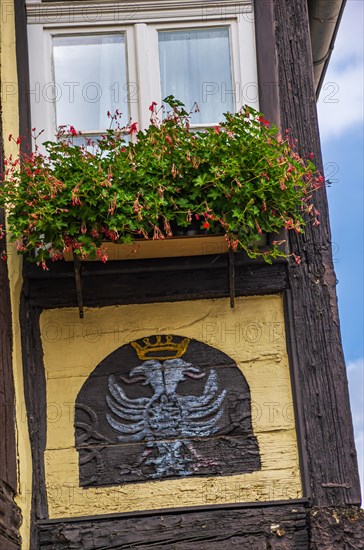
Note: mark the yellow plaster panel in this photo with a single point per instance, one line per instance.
(252, 334)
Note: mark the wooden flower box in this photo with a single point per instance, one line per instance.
(163, 248)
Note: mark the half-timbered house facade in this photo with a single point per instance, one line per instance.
(183, 397)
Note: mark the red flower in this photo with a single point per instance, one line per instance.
(133, 127)
(73, 131)
(217, 129)
(151, 107)
(206, 225)
(263, 121)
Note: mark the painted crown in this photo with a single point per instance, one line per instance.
(162, 348)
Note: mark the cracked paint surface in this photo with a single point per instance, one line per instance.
(252, 334)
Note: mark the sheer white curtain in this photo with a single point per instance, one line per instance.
(91, 78)
(195, 66)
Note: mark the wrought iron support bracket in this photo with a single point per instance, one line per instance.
(78, 279)
(231, 261)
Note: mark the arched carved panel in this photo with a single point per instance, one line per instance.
(164, 407)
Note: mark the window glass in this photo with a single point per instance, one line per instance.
(91, 79)
(195, 66)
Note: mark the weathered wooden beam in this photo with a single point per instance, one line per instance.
(10, 518)
(150, 281)
(35, 399)
(341, 527)
(282, 526)
(328, 428)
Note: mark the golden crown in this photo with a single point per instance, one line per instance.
(163, 348)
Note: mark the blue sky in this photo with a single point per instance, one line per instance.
(341, 119)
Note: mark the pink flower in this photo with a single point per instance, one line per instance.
(102, 253)
(73, 131)
(151, 107)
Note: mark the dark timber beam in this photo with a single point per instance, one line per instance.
(323, 381)
(9, 512)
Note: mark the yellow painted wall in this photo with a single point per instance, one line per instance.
(252, 334)
(10, 121)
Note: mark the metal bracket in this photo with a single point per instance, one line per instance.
(78, 279)
(232, 277)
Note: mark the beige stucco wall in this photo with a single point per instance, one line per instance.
(10, 122)
(252, 334)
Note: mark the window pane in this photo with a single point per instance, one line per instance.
(196, 67)
(90, 76)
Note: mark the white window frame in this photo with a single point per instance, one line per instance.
(142, 52)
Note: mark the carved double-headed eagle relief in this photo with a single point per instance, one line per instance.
(162, 407)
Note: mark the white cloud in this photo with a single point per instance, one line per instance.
(341, 101)
(349, 40)
(340, 106)
(355, 371)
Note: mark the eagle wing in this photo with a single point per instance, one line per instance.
(201, 414)
(132, 411)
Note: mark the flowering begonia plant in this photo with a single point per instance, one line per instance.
(240, 178)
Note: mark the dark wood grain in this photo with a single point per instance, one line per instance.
(328, 434)
(22, 60)
(282, 527)
(35, 400)
(334, 528)
(9, 512)
(267, 60)
(143, 281)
